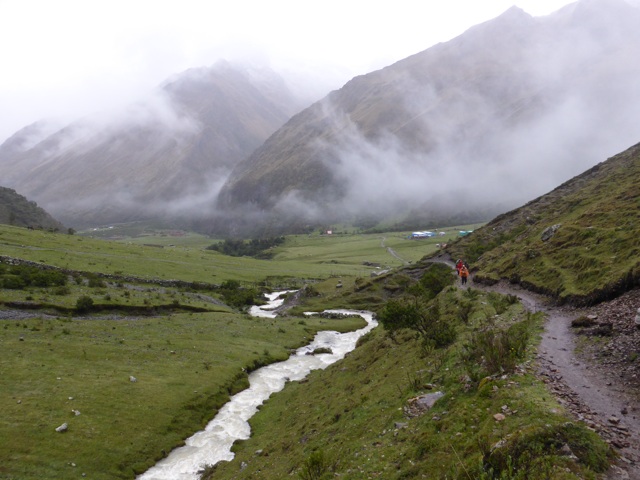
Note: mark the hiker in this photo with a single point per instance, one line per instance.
(458, 266)
(464, 274)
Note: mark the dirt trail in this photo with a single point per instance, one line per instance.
(595, 395)
(392, 252)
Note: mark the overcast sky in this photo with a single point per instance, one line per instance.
(72, 57)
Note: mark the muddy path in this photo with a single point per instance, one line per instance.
(592, 392)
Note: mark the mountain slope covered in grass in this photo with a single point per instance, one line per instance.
(579, 243)
(19, 211)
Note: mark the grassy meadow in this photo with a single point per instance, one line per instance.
(159, 255)
(186, 349)
(149, 362)
(186, 365)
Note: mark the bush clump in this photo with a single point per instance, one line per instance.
(18, 277)
(497, 351)
(423, 318)
(84, 304)
(257, 247)
(236, 295)
(533, 452)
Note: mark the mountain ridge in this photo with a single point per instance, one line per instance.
(457, 133)
(161, 157)
(17, 210)
(516, 87)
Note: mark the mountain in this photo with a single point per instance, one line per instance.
(165, 156)
(578, 243)
(463, 130)
(19, 211)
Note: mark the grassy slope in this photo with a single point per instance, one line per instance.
(595, 253)
(350, 421)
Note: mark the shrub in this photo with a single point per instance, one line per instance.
(21, 276)
(528, 452)
(236, 295)
(257, 247)
(12, 282)
(62, 290)
(425, 319)
(435, 279)
(84, 304)
(465, 309)
(497, 351)
(501, 303)
(96, 282)
(315, 467)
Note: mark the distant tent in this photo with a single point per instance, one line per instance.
(426, 234)
(465, 232)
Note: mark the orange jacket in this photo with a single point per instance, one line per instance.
(464, 272)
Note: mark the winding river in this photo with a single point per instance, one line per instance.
(213, 444)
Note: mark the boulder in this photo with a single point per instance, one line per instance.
(550, 232)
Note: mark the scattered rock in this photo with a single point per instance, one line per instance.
(499, 417)
(418, 405)
(566, 451)
(550, 232)
(62, 428)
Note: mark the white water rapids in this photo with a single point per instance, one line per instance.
(213, 444)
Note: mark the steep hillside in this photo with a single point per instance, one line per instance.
(579, 243)
(466, 129)
(17, 210)
(165, 156)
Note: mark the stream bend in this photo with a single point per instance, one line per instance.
(213, 444)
